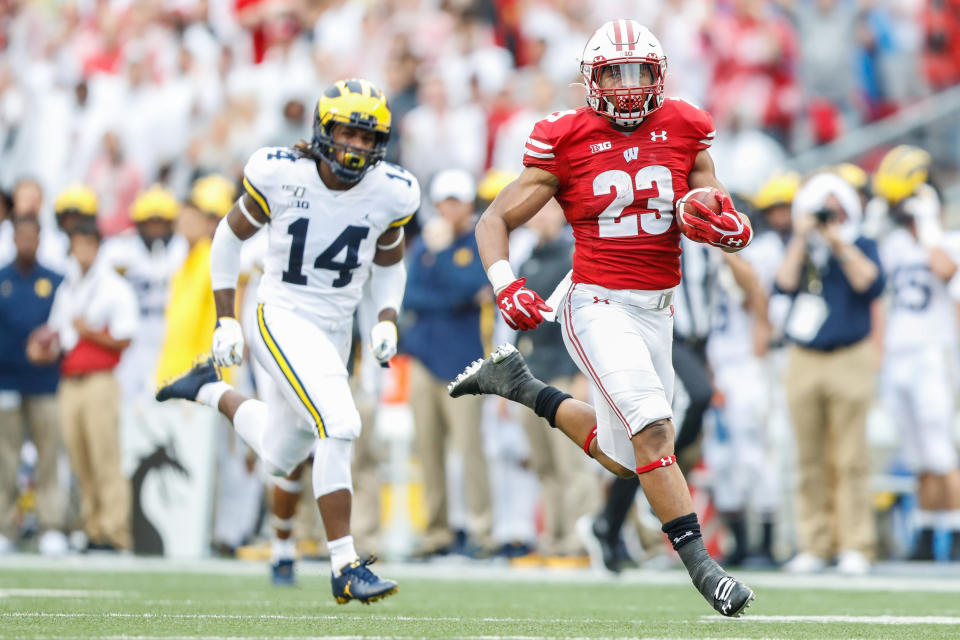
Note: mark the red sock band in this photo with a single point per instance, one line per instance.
(665, 461)
(590, 437)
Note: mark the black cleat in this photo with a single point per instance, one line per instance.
(356, 582)
(731, 597)
(187, 386)
(596, 540)
(282, 573)
(502, 374)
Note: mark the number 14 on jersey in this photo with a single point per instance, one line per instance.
(350, 238)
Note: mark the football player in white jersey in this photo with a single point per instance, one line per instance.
(147, 257)
(336, 213)
(737, 449)
(920, 341)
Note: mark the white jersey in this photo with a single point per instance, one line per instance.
(920, 311)
(731, 333)
(148, 270)
(321, 241)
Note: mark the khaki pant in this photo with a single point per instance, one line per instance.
(39, 414)
(568, 481)
(439, 420)
(829, 395)
(90, 415)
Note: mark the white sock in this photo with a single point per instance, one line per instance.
(950, 520)
(342, 553)
(250, 421)
(924, 519)
(210, 393)
(283, 549)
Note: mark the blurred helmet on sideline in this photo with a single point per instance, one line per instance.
(901, 171)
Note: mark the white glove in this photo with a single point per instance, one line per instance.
(227, 347)
(383, 341)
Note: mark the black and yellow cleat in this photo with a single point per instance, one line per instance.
(187, 386)
(357, 582)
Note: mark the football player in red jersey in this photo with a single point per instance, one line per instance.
(617, 167)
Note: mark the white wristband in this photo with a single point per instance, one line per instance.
(248, 215)
(500, 275)
(394, 244)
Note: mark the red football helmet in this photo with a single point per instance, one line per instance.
(624, 67)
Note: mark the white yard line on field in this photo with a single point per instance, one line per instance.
(60, 593)
(889, 620)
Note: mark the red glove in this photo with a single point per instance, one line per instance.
(521, 307)
(724, 229)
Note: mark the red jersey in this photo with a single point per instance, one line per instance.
(618, 189)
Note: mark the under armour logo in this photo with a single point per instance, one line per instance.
(631, 154)
(735, 243)
(598, 300)
(665, 462)
(662, 136)
(686, 534)
(506, 303)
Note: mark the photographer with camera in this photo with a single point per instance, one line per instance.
(833, 275)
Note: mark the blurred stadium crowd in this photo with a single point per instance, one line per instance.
(123, 110)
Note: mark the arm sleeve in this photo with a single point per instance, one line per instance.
(387, 285)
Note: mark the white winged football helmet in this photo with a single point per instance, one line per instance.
(627, 51)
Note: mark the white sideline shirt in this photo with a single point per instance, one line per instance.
(101, 297)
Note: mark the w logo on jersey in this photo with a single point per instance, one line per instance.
(631, 154)
(658, 137)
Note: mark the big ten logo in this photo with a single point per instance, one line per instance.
(296, 192)
(600, 146)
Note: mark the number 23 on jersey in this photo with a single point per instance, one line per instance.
(653, 183)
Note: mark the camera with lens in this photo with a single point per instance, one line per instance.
(824, 215)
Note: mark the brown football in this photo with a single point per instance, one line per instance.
(684, 208)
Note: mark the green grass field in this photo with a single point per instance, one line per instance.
(137, 600)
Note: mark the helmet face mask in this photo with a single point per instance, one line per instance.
(624, 69)
(356, 104)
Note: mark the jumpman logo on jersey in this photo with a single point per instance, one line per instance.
(661, 137)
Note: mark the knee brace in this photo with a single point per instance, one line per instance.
(331, 466)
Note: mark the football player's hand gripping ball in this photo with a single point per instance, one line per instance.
(724, 229)
(227, 348)
(521, 307)
(383, 341)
